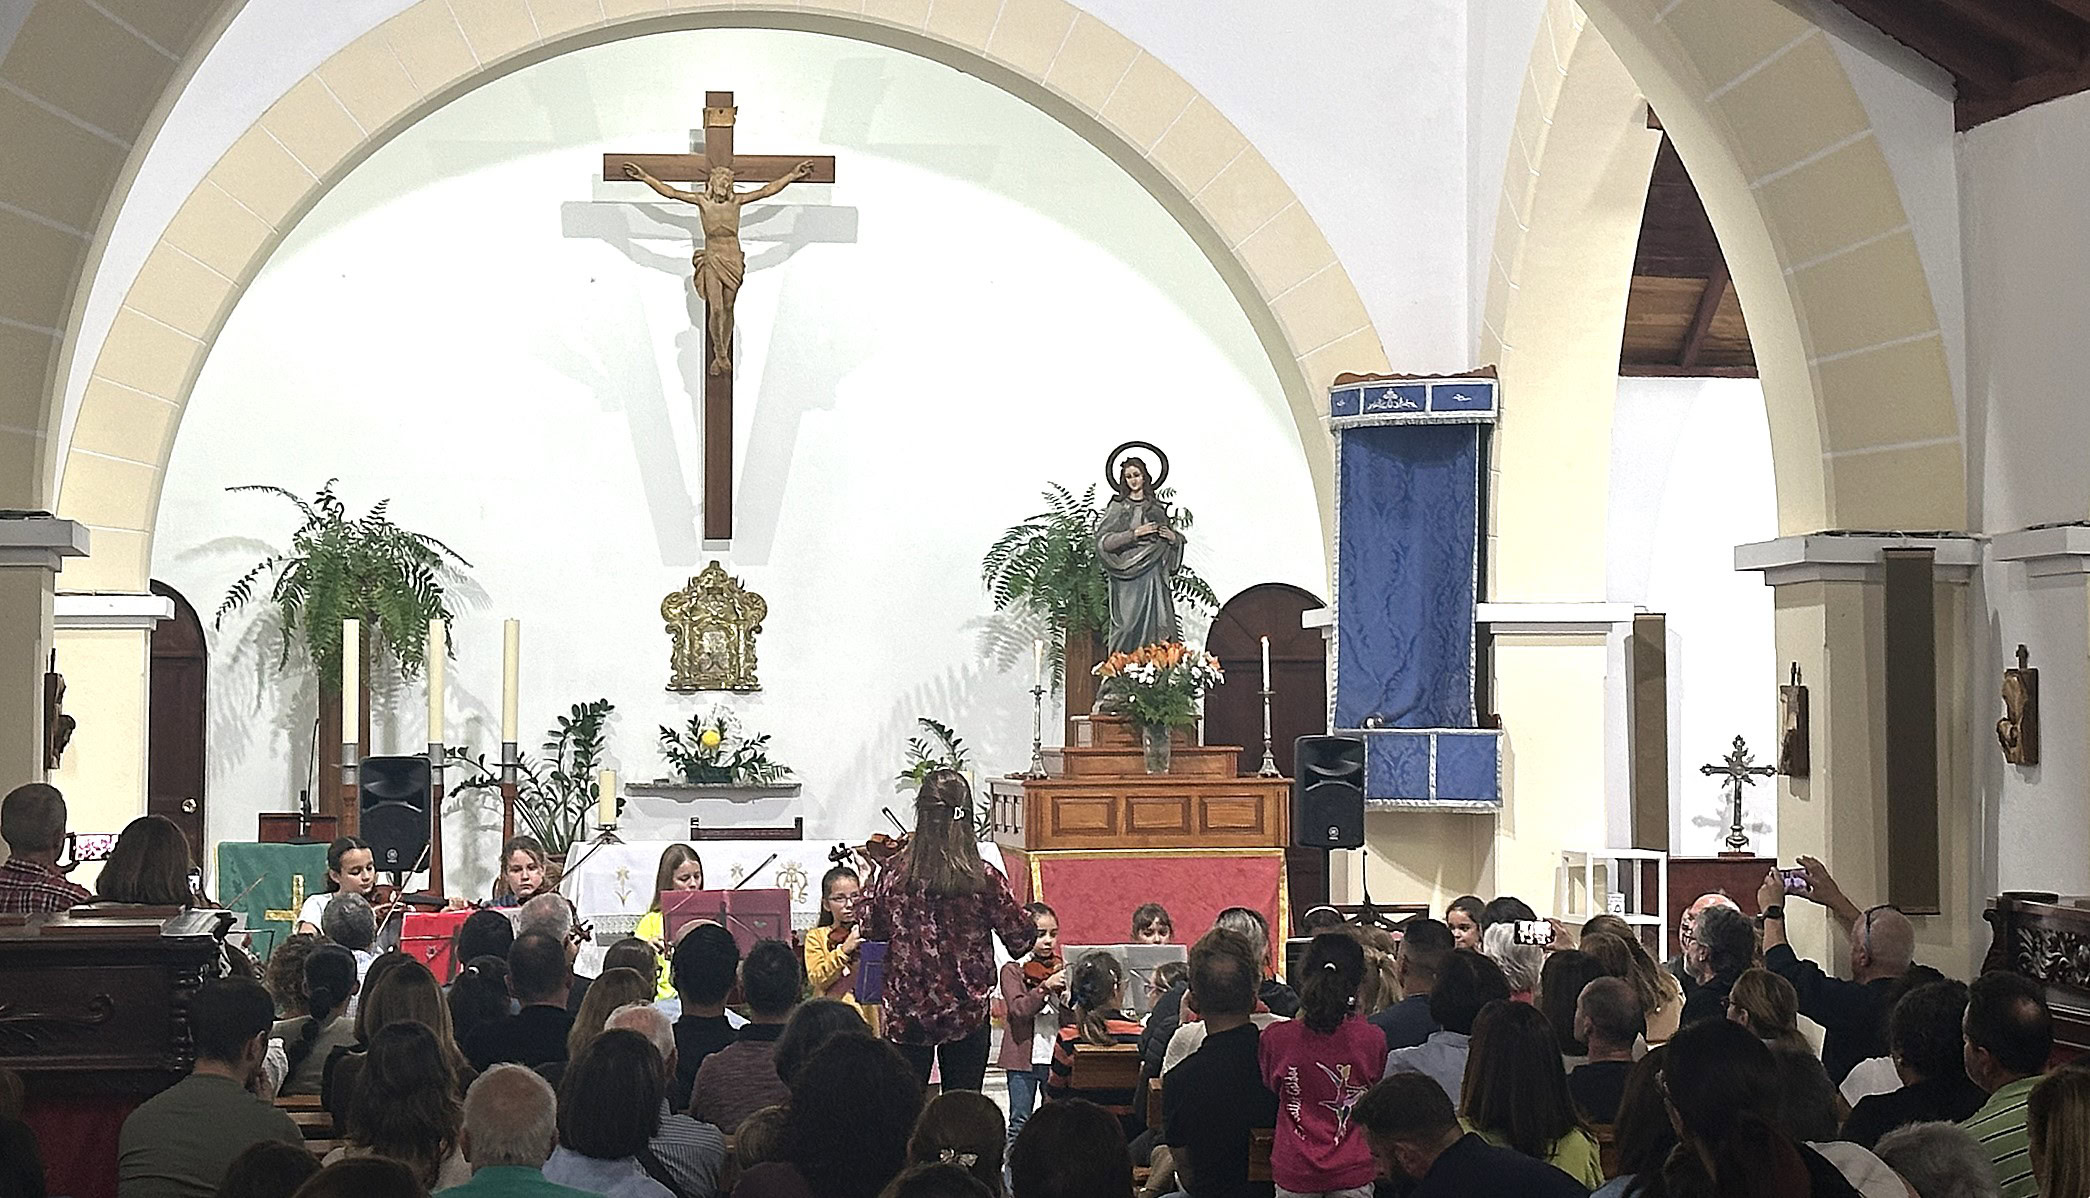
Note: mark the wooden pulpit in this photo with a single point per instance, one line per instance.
(93, 1017)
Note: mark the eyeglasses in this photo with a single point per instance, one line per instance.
(1865, 933)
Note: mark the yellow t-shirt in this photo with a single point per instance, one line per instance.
(653, 929)
(825, 966)
(1574, 1154)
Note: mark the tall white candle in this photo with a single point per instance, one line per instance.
(1037, 672)
(437, 655)
(511, 674)
(1266, 663)
(351, 680)
(606, 800)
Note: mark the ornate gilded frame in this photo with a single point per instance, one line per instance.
(713, 622)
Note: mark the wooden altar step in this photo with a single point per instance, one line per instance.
(1185, 760)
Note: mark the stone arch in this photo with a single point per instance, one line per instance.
(1075, 68)
(1865, 432)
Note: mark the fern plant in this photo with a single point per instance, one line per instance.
(392, 579)
(941, 749)
(556, 790)
(1049, 567)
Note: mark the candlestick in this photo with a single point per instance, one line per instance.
(606, 799)
(437, 654)
(1266, 663)
(351, 680)
(1269, 767)
(1037, 732)
(511, 674)
(1037, 672)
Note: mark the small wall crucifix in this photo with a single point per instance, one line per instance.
(718, 265)
(1739, 769)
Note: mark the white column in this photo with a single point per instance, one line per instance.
(33, 548)
(104, 644)
(2038, 595)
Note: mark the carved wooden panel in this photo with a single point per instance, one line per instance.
(100, 1012)
(1240, 814)
(1084, 816)
(1161, 812)
(1157, 813)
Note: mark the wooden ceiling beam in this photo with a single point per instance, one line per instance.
(2080, 8)
(2045, 39)
(1702, 319)
(2037, 89)
(1969, 55)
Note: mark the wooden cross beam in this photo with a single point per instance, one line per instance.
(718, 388)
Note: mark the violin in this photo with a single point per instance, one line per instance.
(1035, 971)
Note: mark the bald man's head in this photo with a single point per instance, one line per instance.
(511, 1117)
(1883, 945)
(32, 821)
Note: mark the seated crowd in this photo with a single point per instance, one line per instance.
(1490, 1053)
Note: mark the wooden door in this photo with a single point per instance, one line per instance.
(179, 692)
(1298, 701)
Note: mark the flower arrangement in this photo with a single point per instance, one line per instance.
(1161, 684)
(712, 750)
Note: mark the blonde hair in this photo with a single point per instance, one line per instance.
(1626, 957)
(2056, 1115)
(616, 988)
(1771, 1006)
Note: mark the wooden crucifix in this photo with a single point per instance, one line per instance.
(719, 266)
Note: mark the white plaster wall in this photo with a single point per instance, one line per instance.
(983, 303)
(1356, 103)
(1690, 480)
(1501, 41)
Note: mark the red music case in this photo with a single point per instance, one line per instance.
(750, 914)
(430, 937)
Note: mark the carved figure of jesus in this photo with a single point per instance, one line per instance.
(719, 263)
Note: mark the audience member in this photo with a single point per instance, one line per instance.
(939, 908)
(268, 1169)
(1415, 1134)
(403, 992)
(845, 1131)
(1516, 1093)
(1505, 908)
(1276, 997)
(480, 994)
(609, 1110)
(1096, 988)
(1316, 1065)
(180, 1142)
(485, 934)
(742, 1077)
(963, 1129)
(538, 973)
(704, 965)
(1152, 925)
(1212, 1102)
(1939, 1160)
(1923, 1033)
(1418, 960)
(1616, 945)
(1723, 1088)
(811, 1025)
(1853, 1014)
(284, 974)
(1767, 1005)
(1643, 1133)
(1609, 1019)
(1463, 918)
(550, 914)
(32, 821)
(2007, 1036)
(1877, 1075)
(309, 1039)
(1520, 963)
(641, 958)
(1382, 986)
(149, 866)
(760, 1138)
(406, 1107)
(1689, 975)
(1470, 982)
(693, 1153)
(1722, 948)
(1809, 1110)
(511, 1127)
(350, 923)
(1031, 991)
(363, 1177)
(1070, 1149)
(21, 1163)
(616, 988)
(1560, 985)
(937, 1180)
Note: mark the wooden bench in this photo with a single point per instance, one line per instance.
(313, 1121)
(1261, 1141)
(1607, 1148)
(1097, 1067)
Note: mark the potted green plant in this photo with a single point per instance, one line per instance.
(940, 749)
(556, 790)
(711, 750)
(1047, 567)
(340, 568)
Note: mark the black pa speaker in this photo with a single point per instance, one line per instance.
(394, 795)
(1328, 792)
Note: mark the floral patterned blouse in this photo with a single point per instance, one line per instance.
(939, 964)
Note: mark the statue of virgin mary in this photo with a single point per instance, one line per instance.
(1141, 550)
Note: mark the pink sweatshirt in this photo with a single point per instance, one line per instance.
(1318, 1080)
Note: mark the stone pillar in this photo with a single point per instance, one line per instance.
(2038, 591)
(104, 644)
(33, 548)
(1830, 619)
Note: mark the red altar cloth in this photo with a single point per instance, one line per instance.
(1095, 893)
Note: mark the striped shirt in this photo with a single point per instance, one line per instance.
(2000, 1126)
(1125, 1104)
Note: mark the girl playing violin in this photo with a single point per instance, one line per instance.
(680, 869)
(525, 872)
(351, 869)
(1032, 990)
(836, 941)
